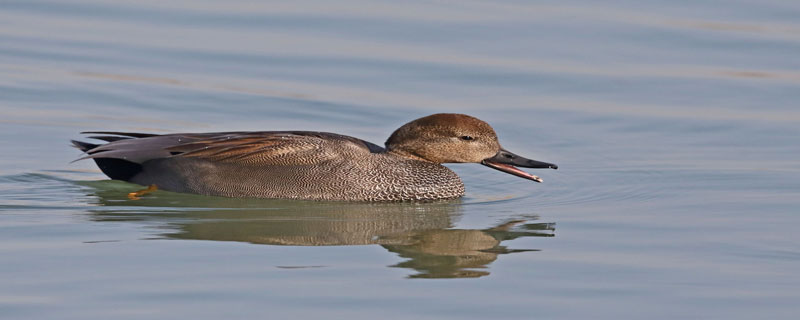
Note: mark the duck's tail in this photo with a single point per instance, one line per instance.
(116, 169)
(83, 146)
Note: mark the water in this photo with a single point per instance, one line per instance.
(675, 126)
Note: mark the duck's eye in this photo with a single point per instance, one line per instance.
(467, 138)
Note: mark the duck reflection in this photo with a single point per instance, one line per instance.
(419, 232)
(454, 253)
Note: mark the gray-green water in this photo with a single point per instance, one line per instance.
(675, 125)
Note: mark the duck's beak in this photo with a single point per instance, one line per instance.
(506, 161)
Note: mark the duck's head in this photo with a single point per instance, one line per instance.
(458, 138)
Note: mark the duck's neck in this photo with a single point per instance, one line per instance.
(407, 155)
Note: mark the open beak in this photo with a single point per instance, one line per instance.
(506, 161)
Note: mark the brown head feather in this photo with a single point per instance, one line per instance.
(445, 137)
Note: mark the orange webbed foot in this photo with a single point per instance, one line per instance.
(136, 195)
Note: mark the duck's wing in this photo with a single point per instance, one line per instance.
(258, 148)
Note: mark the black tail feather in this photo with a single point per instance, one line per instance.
(117, 169)
(84, 146)
(109, 138)
(126, 134)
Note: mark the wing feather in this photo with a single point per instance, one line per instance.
(257, 148)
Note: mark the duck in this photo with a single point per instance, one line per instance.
(309, 165)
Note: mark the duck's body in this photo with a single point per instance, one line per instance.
(305, 164)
